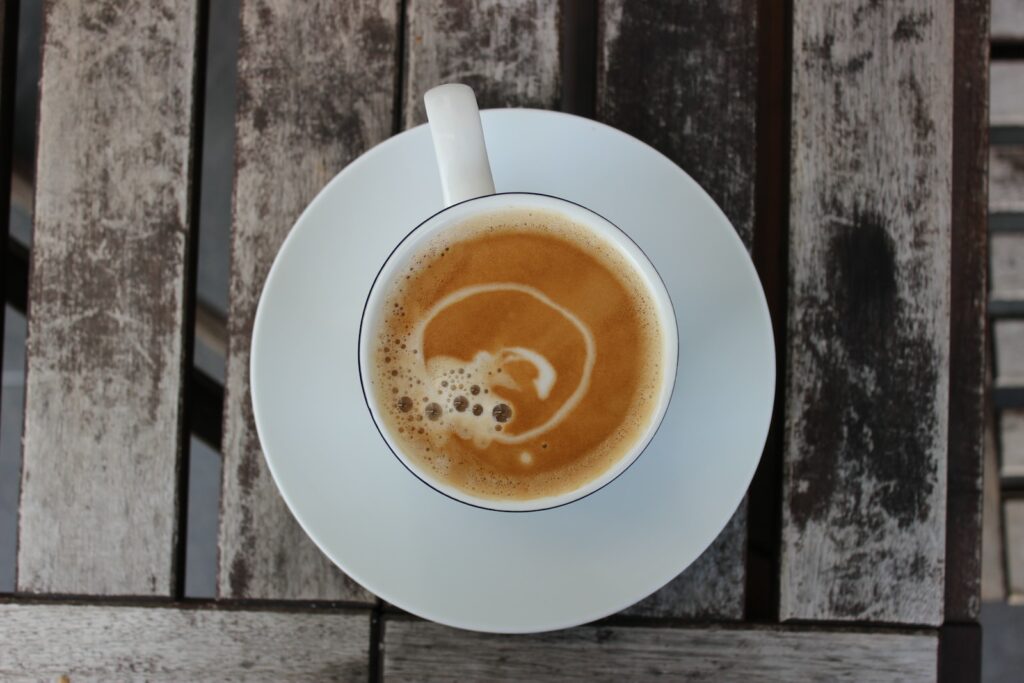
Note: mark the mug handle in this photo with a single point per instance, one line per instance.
(458, 142)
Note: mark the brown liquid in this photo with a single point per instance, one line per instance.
(519, 356)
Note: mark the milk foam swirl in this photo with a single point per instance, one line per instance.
(432, 372)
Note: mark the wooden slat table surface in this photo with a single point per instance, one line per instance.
(514, 63)
(316, 86)
(108, 286)
(869, 261)
(845, 139)
(118, 642)
(421, 651)
(696, 104)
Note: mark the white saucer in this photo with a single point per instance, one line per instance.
(495, 571)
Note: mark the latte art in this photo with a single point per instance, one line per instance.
(519, 356)
(485, 368)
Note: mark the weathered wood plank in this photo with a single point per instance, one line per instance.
(422, 651)
(508, 52)
(102, 435)
(1006, 179)
(968, 291)
(94, 643)
(864, 511)
(1007, 93)
(1011, 438)
(1013, 520)
(682, 77)
(315, 90)
(1007, 19)
(696, 103)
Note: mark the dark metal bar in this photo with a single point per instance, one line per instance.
(771, 256)
(376, 643)
(999, 309)
(15, 280)
(1011, 486)
(1007, 135)
(8, 60)
(959, 653)
(1007, 50)
(398, 109)
(1008, 396)
(206, 399)
(579, 56)
(999, 223)
(189, 320)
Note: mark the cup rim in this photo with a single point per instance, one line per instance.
(535, 504)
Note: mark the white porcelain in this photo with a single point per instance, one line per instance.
(459, 146)
(481, 569)
(398, 262)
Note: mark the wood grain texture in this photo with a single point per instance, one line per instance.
(1013, 521)
(864, 495)
(316, 88)
(106, 643)
(507, 51)
(1007, 93)
(967, 325)
(1006, 179)
(421, 651)
(682, 77)
(1008, 19)
(105, 336)
(713, 587)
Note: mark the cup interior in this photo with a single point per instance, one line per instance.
(457, 214)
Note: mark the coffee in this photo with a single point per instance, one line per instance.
(518, 356)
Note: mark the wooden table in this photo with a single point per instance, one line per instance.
(845, 139)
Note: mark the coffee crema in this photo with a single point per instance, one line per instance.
(517, 356)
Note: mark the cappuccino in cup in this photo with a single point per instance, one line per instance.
(517, 355)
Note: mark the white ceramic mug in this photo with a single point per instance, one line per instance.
(469, 191)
